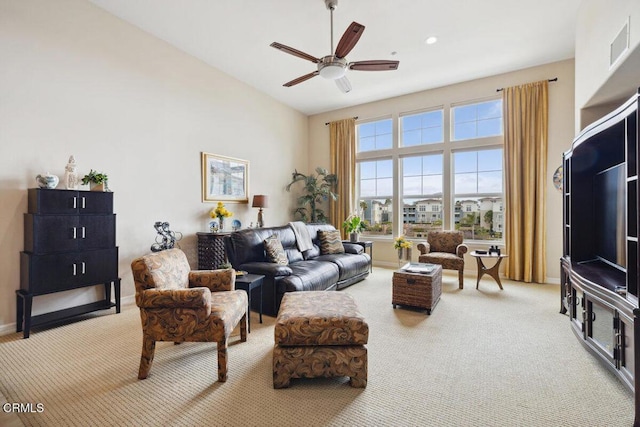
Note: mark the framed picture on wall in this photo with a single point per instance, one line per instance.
(224, 179)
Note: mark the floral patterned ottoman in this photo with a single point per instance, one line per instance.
(320, 334)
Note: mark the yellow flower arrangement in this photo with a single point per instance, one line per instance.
(401, 243)
(220, 212)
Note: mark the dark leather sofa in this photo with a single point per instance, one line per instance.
(308, 271)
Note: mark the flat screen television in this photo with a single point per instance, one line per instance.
(609, 188)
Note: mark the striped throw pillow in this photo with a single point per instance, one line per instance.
(275, 251)
(330, 242)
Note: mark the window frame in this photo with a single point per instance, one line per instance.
(447, 148)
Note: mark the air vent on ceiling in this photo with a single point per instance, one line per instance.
(619, 45)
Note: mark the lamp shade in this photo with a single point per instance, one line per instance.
(260, 201)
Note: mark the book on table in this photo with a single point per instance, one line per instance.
(418, 267)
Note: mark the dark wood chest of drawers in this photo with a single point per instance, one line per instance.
(69, 243)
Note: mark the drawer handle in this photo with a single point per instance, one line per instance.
(83, 267)
(75, 269)
(75, 233)
(83, 202)
(83, 232)
(75, 202)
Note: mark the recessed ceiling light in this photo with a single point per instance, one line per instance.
(394, 53)
(431, 40)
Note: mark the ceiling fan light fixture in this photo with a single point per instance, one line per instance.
(343, 84)
(332, 72)
(332, 68)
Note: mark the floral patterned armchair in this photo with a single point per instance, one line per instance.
(445, 248)
(178, 305)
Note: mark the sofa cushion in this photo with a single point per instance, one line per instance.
(349, 265)
(330, 242)
(274, 250)
(247, 245)
(310, 275)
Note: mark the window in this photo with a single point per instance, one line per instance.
(376, 192)
(421, 191)
(422, 128)
(477, 120)
(375, 135)
(478, 193)
(429, 176)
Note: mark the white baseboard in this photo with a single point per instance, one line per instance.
(7, 329)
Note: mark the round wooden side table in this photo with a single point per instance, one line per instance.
(491, 271)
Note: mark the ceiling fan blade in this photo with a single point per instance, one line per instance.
(295, 52)
(343, 84)
(349, 39)
(300, 79)
(375, 65)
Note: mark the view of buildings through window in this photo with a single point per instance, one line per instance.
(413, 172)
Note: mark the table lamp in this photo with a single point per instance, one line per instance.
(260, 201)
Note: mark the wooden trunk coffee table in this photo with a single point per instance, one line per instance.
(420, 290)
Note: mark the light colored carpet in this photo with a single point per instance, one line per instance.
(483, 358)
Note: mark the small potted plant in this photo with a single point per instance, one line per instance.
(97, 181)
(354, 225)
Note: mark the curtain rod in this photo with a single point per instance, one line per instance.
(555, 79)
(355, 118)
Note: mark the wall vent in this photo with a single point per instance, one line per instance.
(619, 45)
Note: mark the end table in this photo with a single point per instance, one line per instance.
(249, 282)
(493, 271)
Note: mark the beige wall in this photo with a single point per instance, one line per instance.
(561, 125)
(77, 80)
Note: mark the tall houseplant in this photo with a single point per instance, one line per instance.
(317, 188)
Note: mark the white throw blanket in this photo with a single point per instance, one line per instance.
(303, 239)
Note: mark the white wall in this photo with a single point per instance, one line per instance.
(77, 80)
(599, 85)
(561, 125)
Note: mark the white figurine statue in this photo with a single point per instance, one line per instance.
(70, 176)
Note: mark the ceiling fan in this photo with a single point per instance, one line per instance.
(334, 67)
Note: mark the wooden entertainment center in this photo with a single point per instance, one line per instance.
(599, 266)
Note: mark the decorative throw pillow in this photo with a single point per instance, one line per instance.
(275, 251)
(330, 242)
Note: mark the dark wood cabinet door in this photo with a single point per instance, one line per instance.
(50, 233)
(44, 274)
(97, 232)
(69, 202)
(95, 202)
(65, 233)
(97, 267)
(42, 201)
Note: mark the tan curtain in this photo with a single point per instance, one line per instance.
(526, 111)
(343, 164)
